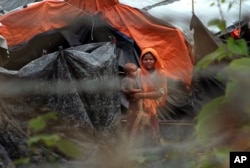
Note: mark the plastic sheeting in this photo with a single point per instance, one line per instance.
(21, 26)
(132, 28)
(81, 86)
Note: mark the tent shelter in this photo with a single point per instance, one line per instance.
(74, 82)
(192, 18)
(129, 21)
(65, 56)
(39, 29)
(68, 62)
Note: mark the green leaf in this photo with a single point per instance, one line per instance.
(221, 153)
(69, 148)
(213, 22)
(203, 126)
(49, 140)
(241, 65)
(230, 88)
(22, 160)
(207, 60)
(215, 158)
(39, 123)
(237, 46)
(212, 4)
(237, 68)
(221, 24)
(237, 73)
(139, 159)
(49, 116)
(219, 54)
(230, 5)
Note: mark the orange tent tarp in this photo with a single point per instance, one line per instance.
(21, 26)
(168, 42)
(93, 6)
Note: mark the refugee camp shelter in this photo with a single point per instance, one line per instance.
(67, 57)
(40, 37)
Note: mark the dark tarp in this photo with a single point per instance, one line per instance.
(80, 84)
(83, 86)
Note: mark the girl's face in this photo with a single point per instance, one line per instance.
(148, 61)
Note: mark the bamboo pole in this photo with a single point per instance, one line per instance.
(240, 12)
(192, 6)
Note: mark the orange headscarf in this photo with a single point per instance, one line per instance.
(149, 85)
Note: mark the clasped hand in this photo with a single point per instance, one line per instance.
(137, 96)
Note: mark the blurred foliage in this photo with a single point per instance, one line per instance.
(223, 123)
(232, 47)
(39, 140)
(227, 116)
(39, 123)
(221, 24)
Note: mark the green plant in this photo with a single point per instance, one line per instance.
(48, 142)
(223, 123)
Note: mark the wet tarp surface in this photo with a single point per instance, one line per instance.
(82, 86)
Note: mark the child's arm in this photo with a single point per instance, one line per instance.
(134, 90)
